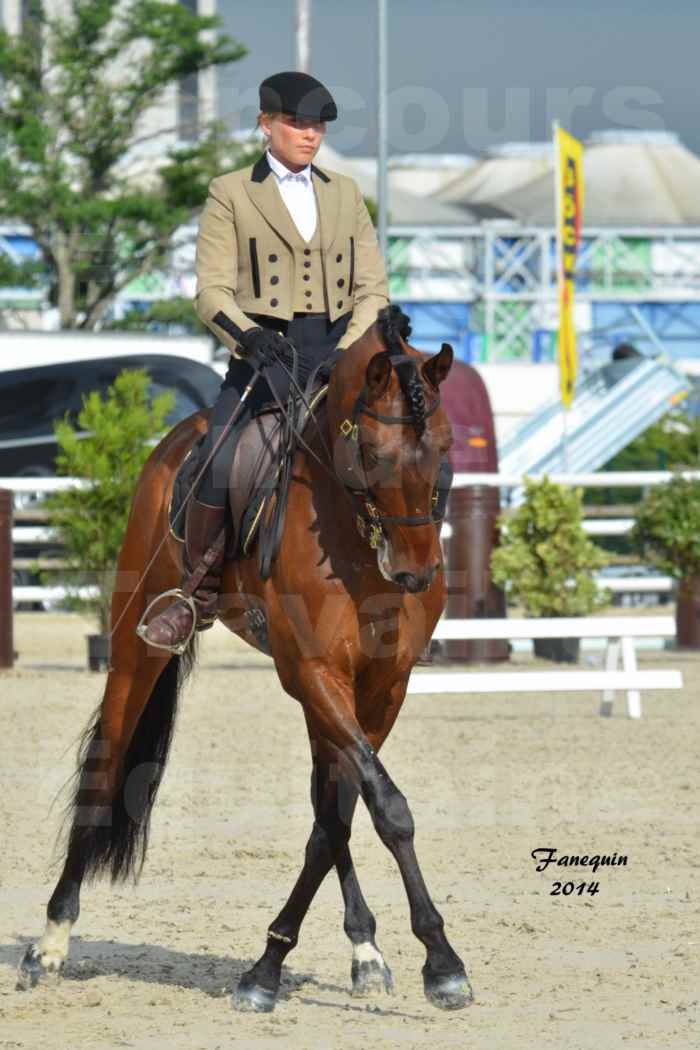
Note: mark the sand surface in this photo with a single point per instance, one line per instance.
(488, 779)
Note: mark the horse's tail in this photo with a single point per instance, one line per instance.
(109, 826)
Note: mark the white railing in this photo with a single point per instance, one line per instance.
(32, 534)
(620, 633)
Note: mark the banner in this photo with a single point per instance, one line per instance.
(569, 153)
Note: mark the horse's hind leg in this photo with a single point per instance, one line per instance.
(120, 765)
(334, 803)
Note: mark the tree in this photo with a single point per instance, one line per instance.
(176, 315)
(108, 449)
(76, 86)
(545, 556)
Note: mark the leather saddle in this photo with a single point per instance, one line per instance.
(253, 481)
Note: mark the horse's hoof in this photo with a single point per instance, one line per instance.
(369, 978)
(451, 992)
(32, 969)
(252, 997)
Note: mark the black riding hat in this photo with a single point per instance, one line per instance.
(298, 94)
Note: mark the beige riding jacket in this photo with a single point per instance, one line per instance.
(251, 259)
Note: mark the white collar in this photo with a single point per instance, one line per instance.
(281, 171)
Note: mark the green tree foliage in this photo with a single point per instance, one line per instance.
(165, 315)
(74, 87)
(667, 527)
(107, 450)
(545, 556)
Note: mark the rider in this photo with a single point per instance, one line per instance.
(284, 249)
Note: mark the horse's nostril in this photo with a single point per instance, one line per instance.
(409, 582)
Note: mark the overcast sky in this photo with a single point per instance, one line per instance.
(467, 74)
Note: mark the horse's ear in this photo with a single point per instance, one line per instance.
(377, 375)
(436, 368)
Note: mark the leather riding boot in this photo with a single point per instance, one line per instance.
(205, 541)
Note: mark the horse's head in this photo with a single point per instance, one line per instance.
(390, 434)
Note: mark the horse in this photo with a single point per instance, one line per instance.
(346, 611)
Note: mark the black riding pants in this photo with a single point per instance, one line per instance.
(315, 338)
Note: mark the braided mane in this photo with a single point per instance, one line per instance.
(393, 325)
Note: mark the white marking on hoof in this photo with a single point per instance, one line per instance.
(367, 953)
(370, 974)
(46, 958)
(52, 949)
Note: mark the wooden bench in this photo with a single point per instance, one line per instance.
(620, 632)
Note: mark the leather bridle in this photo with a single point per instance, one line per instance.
(370, 519)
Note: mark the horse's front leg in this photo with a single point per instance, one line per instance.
(334, 805)
(329, 701)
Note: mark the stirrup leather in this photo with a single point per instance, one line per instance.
(142, 626)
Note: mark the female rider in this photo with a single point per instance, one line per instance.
(284, 249)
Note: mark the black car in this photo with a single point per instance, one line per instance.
(33, 399)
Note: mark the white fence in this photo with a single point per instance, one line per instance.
(620, 633)
(33, 534)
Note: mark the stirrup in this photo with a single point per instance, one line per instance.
(142, 626)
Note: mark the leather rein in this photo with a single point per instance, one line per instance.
(369, 519)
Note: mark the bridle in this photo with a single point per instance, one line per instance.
(370, 519)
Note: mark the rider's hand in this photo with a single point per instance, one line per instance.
(263, 347)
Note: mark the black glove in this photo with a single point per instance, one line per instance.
(263, 347)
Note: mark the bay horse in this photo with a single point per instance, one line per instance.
(345, 622)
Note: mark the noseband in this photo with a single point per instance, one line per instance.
(370, 519)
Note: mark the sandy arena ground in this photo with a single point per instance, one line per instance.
(489, 779)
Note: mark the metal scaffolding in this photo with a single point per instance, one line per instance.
(507, 274)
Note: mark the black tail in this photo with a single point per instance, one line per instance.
(114, 837)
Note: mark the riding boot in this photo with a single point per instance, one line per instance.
(205, 542)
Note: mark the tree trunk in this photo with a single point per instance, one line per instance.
(66, 280)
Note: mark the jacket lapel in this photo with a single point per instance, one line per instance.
(328, 197)
(264, 192)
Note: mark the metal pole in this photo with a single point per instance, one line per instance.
(560, 279)
(303, 34)
(6, 642)
(382, 125)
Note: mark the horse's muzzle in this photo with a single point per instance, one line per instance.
(414, 584)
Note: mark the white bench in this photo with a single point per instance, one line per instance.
(620, 632)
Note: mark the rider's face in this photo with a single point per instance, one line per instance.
(293, 140)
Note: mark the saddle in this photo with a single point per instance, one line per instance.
(257, 470)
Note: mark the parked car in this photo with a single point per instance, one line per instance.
(629, 599)
(32, 399)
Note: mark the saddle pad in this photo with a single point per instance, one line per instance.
(182, 486)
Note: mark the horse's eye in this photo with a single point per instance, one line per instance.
(371, 457)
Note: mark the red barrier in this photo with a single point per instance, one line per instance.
(6, 641)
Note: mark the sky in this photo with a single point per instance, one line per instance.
(465, 75)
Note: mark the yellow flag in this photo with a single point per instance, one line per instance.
(570, 216)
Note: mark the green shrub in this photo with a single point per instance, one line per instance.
(545, 558)
(667, 527)
(109, 453)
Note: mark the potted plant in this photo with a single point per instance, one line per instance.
(546, 561)
(667, 532)
(107, 450)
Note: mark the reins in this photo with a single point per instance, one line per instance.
(370, 519)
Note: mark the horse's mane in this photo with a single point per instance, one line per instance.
(394, 326)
